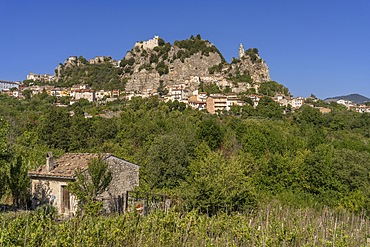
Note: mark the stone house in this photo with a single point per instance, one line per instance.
(49, 182)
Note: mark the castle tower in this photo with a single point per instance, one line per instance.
(241, 51)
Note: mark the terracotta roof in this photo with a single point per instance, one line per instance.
(66, 165)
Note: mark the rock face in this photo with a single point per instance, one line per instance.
(251, 62)
(156, 64)
(143, 80)
(153, 63)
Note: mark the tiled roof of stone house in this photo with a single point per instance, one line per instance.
(66, 165)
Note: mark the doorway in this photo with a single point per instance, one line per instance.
(65, 205)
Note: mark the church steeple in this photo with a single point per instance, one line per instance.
(241, 51)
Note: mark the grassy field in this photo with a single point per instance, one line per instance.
(271, 225)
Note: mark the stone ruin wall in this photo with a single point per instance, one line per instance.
(149, 44)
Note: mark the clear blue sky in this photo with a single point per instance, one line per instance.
(316, 46)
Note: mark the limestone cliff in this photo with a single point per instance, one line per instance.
(251, 62)
(189, 62)
(154, 63)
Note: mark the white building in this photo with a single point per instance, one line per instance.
(85, 94)
(349, 104)
(40, 77)
(8, 85)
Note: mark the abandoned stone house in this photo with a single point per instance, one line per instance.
(49, 182)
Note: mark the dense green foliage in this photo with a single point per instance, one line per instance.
(241, 78)
(215, 68)
(195, 45)
(270, 88)
(162, 50)
(223, 167)
(4, 156)
(260, 151)
(162, 68)
(209, 88)
(253, 55)
(98, 76)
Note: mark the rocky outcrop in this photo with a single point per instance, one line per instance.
(255, 66)
(153, 62)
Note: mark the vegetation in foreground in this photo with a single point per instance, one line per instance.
(271, 225)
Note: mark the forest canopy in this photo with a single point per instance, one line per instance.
(228, 162)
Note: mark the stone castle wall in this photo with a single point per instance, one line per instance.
(149, 44)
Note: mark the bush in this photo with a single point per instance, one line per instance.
(215, 68)
(46, 210)
(253, 54)
(162, 68)
(194, 45)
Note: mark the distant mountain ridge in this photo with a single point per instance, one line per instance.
(355, 98)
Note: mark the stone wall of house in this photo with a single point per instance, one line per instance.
(125, 177)
(49, 191)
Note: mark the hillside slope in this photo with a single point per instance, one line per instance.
(154, 63)
(355, 98)
(187, 63)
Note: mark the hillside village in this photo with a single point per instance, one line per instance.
(174, 133)
(191, 71)
(198, 100)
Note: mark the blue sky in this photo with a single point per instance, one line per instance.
(317, 46)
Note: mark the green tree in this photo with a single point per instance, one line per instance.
(162, 68)
(18, 182)
(309, 115)
(210, 131)
(161, 89)
(352, 168)
(282, 172)
(54, 128)
(268, 108)
(27, 93)
(103, 129)
(261, 138)
(161, 42)
(217, 184)
(166, 166)
(79, 133)
(4, 154)
(82, 60)
(91, 183)
(270, 88)
(320, 180)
